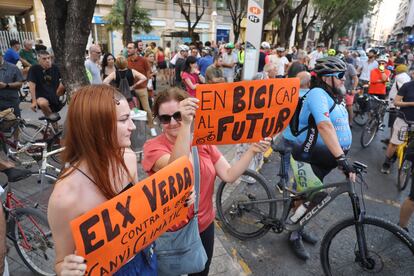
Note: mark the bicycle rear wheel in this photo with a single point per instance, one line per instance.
(369, 132)
(238, 211)
(33, 240)
(390, 249)
(404, 174)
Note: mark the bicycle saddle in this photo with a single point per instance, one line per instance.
(52, 118)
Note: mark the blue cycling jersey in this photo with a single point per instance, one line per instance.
(318, 102)
(287, 133)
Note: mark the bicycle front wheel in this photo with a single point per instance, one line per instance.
(239, 208)
(369, 132)
(33, 240)
(390, 250)
(404, 174)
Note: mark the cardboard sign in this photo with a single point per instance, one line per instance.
(114, 232)
(244, 112)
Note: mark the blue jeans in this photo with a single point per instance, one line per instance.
(143, 264)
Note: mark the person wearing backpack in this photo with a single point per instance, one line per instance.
(320, 136)
(125, 79)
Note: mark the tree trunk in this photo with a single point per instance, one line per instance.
(129, 7)
(236, 33)
(69, 25)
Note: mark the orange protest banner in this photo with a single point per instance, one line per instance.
(244, 112)
(114, 232)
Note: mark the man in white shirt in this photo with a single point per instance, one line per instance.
(280, 61)
(367, 67)
(315, 55)
(229, 62)
(91, 64)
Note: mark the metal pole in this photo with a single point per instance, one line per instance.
(254, 30)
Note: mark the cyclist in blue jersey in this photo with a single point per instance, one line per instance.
(324, 137)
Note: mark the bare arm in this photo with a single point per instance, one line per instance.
(13, 85)
(190, 83)
(141, 78)
(109, 78)
(328, 133)
(60, 90)
(399, 102)
(217, 80)
(231, 173)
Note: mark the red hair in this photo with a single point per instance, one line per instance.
(91, 137)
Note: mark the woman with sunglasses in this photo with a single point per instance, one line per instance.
(323, 140)
(379, 78)
(98, 166)
(175, 111)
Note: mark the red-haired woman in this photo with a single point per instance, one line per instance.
(98, 165)
(175, 111)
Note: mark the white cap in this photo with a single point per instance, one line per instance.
(280, 49)
(265, 45)
(382, 58)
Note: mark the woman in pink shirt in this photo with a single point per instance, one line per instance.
(175, 112)
(191, 75)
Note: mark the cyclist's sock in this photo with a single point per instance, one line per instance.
(294, 235)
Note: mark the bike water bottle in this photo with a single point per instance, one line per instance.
(300, 211)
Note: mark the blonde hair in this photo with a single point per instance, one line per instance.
(121, 62)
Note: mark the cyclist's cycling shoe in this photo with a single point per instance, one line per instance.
(15, 174)
(309, 238)
(299, 249)
(386, 168)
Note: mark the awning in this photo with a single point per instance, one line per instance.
(15, 7)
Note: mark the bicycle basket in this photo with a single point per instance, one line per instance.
(363, 103)
(7, 120)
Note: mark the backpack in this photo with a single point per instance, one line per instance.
(123, 86)
(303, 152)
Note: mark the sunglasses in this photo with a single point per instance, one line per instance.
(339, 75)
(166, 119)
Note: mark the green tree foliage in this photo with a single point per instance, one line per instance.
(133, 18)
(337, 15)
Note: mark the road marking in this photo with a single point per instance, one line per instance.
(386, 201)
(235, 256)
(241, 262)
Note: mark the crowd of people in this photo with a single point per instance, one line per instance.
(101, 130)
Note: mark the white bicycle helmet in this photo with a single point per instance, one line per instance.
(329, 65)
(183, 47)
(265, 45)
(382, 58)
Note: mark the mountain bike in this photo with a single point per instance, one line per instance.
(376, 114)
(28, 229)
(356, 245)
